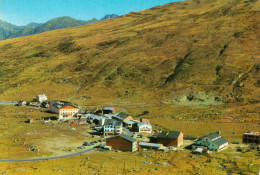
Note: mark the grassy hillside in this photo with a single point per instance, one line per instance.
(197, 51)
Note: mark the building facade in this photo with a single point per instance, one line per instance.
(251, 137)
(144, 127)
(122, 142)
(67, 111)
(112, 127)
(170, 138)
(40, 98)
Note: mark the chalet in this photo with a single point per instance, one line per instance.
(170, 138)
(251, 137)
(21, 103)
(40, 98)
(122, 142)
(112, 127)
(212, 141)
(144, 127)
(108, 110)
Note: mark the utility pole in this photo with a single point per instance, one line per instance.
(124, 172)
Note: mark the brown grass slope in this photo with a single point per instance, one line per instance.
(198, 48)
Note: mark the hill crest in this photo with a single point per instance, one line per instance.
(183, 52)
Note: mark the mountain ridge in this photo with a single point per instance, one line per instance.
(8, 30)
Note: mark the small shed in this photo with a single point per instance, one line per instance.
(21, 103)
(30, 120)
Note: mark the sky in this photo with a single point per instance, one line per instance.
(22, 12)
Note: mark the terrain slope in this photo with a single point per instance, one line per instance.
(197, 51)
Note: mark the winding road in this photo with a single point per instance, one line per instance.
(8, 102)
(47, 158)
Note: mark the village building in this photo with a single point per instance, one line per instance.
(34, 103)
(130, 123)
(122, 142)
(155, 146)
(21, 103)
(251, 137)
(45, 104)
(109, 116)
(170, 138)
(124, 116)
(30, 120)
(40, 98)
(212, 141)
(144, 120)
(64, 110)
(108, 110)
(112, 127)
(144, 127)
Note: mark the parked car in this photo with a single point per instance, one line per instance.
(81, 147)
(86, 144)
(172, 148)
(235, 142)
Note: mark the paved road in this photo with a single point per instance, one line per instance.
(46, 158)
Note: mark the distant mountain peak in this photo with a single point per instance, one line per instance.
(109, 16)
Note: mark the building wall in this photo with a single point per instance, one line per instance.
(168, 141)
(176, 142)
(180, 139)
(41, 98)
(145, 129)
(112, 130)
(68, 111)
(251, 138)
(120, 144)
(134, 146)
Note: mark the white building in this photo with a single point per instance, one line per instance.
(112, 127)
(42, 97)
(144, 127)
(64, 110)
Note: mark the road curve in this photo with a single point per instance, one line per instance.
(46, 158)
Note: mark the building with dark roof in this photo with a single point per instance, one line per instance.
(122, 116)
(122, 142)
(251, 137)
(212, 141)
(112, 127)
(108, 110)
(170, 138)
